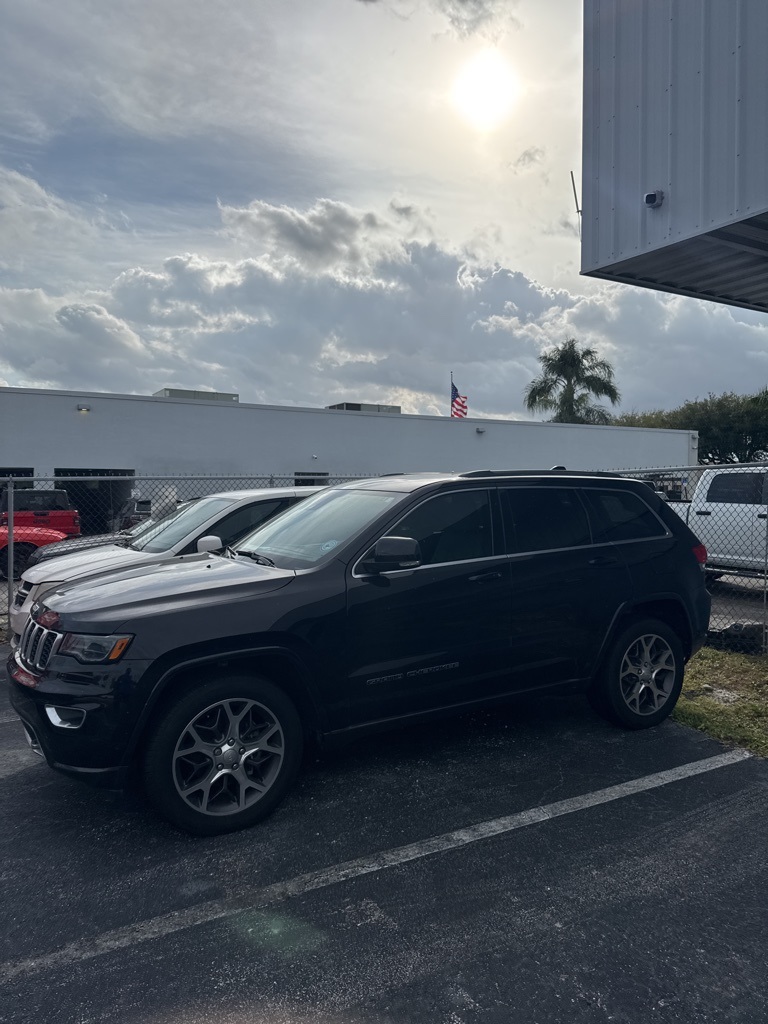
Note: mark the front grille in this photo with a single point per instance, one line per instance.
(38, 645)
(21, 594)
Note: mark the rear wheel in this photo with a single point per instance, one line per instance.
(641, 678)
(223, 756)
(21, 553)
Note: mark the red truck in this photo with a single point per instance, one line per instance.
(49, 509)
(26, 539)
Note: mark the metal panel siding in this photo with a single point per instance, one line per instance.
(753, 108)
(675, 98)
(173, 436)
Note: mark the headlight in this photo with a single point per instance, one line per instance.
(92, 650)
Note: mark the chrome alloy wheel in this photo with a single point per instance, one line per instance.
(647, 675)
(228, 756)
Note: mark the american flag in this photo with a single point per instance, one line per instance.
(458, 402)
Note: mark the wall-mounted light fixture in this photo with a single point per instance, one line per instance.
(83, 408)
(479, 430)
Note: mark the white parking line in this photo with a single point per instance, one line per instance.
(214, 910)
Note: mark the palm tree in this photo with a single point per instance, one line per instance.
(570, 377)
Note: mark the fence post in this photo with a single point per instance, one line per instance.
(9, 548)
(764, 648)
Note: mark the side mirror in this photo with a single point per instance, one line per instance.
(391, 553)
(209, 543)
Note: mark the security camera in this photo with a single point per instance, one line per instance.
(653, 199)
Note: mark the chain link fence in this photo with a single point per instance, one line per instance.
(725, 506)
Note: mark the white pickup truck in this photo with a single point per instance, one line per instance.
(729, 514)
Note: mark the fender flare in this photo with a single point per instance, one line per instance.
(162, 683)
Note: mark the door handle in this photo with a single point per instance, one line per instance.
(604, 560)
(762, 515)
(485, 577)
(704, 513)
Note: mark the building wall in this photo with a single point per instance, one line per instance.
(675, 98)
(43, 430)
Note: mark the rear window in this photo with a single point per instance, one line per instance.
(543, 519)
(737, 488)
(621, 515)
(36, 501)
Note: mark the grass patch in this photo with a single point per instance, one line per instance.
(726, 695)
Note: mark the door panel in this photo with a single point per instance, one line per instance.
(435, 635)
(729, 518)
(426, 637)
(564, 589)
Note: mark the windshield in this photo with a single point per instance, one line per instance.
(309, 533)
(174, 528)
(148, 524)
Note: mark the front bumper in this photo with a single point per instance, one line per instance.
(82, 723)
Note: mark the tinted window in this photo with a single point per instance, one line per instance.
(37, 501)
(738, 488)
(621, 515)
(234, 526)
(543, 518)
(450, 527)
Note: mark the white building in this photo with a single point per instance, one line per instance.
(675, 146)
(111, 441)
(65, 433)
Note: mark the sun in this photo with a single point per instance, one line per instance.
(485, 90)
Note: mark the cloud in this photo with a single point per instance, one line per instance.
(465, 17)
(328, 236)
(330, 302)
(31, 218)
(528, 158)
(108, 335)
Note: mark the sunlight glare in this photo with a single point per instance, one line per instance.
(485, 91)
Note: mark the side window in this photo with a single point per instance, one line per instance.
(543, 518)
(737, 488)
(621, 515)
(236, 525)
(450, 527)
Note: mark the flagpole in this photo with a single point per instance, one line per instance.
(450, 405)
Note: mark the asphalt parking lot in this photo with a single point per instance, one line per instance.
(501, 867)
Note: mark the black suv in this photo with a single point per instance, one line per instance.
(371, 603)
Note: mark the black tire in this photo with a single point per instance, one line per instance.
(205, 784)
(641, 676)
(21, 553)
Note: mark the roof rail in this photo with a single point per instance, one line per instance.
(558, 470)
(512, 472)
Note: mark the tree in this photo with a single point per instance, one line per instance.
(732, 428)
(571, 376)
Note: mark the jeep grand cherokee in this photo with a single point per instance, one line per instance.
(368, 604)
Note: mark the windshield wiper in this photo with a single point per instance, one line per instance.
(261, 559)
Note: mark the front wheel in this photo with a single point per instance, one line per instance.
(21, 553)
(223, 756)
(641, 677)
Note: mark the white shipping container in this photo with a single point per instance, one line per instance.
(675, 146)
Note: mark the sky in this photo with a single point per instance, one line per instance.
(313, 202)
